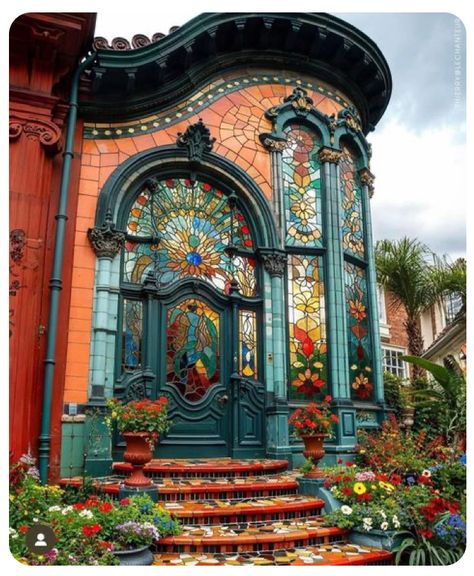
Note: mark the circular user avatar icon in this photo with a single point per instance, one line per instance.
(40, 538)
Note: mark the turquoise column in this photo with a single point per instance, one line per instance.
(367, 180)
(278, 445)
(343, 407)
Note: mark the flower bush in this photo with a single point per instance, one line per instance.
(313, 418)
(89, 531)
(139, 416)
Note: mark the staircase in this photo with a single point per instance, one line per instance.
(245, 512)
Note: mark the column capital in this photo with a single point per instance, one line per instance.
(274, 262)
(331, 155)
(367, 179)
(272, 143)
(106, 241)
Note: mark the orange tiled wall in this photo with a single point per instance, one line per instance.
(235, 119)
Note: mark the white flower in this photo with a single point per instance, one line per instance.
(382, 513)
(54, 509)
(367, 527)
(396, 524)
(11, 531)
(333, 489)
(86, 514)
(368, 521)
(66, 510)
(384, 525)
(35, 519)
(426, 473)
(346, 510)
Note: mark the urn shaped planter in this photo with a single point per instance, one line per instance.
(138, 453)
(135, 557)
(314, 449)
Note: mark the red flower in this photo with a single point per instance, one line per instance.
(382, 477)
(395, 479)
(328, 398)
(346, 491)
(106, 507)
(334, 418)
(104, 544)
(349, 463)
(364, 497)
(23, 529)
(91, 529)
(340, 460)
(426, 532)
(79, 506)
(424, 480)
(308, 347)
(124, 502)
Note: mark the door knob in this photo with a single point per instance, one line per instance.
(222, 399)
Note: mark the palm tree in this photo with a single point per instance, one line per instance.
(450, 278)
(403, 268)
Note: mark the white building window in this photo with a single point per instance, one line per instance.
(392, 362)
(384, 327)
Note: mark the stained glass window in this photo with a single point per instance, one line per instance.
(131, 335)
(193, 354)
(181, 229)
(307, 327)
(248, 343)
(351, 194)
(302, 187)
(360, 357)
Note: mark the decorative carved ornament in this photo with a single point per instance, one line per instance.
(275, 263)
(272, 144)
(300, 100)
(106, 240)
(349, 116)
(46, 132)
(197, 139)
(329, 155)
(367, 179)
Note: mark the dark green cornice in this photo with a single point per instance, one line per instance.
(131, 83)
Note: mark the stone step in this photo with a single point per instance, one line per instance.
(205, 467)
(177, 489)
(215, 511)
(338, 555)
(214, 540)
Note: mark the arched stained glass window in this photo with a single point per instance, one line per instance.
(302, 187)
(181, 229)
(351, 194)
(360, 357)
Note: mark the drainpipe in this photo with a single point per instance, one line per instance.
(55, 283)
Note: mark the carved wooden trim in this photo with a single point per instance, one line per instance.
(46, 132)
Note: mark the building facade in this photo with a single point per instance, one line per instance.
(222, 246)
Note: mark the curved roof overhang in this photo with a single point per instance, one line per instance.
(132, 83)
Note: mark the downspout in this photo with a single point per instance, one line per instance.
(55, 283)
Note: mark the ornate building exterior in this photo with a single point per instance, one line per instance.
(219, 242)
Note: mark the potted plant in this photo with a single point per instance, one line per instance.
(313, 423)
(141, 422)
(132, 541)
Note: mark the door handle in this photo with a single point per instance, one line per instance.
(222, 400)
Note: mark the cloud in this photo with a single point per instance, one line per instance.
(420, 187)
(426, 54)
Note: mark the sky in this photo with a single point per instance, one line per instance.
(419, 157)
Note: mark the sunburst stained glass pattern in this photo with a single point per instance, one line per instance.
(132, 334)
(193, 355)
(302, 187)
(183, 230)
(248, 343)
(307, 327)
(360, 360)
(351, 194)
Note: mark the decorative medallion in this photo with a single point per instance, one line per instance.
(197, 139)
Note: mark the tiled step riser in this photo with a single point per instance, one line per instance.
(232, 492)
(229, 548)
(220, 516)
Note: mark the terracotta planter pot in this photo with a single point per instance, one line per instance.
(314, 449)
(138, 453)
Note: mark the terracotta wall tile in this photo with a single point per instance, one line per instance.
(81, 297)
(107, 146)
(109, 159)
(126, 145)
(86, 159)
(75, 337)
(89, 173)
(77, 370)
(88, 187)
(82, 277)
(90, 147)
(105, 172)
(86, 206)
(75, 396)
(81, 313)
(144, 142)
(80, 324)
(78, 352)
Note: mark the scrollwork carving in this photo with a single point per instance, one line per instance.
(46, 132)
(106, 240)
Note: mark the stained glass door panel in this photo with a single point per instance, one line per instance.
(196, 379)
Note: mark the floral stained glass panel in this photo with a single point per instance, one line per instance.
(132, 335)
(181, 229)
(351, 194)
(248, 344)
(193, 349)
(302, 187)
(307, 327)
(360, 357)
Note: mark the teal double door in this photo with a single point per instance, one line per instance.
(205, 349)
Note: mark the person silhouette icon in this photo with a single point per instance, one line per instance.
(40, 540)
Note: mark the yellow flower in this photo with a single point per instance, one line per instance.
(374, 487)
(359, 488)
(386, 486)
(114, 414)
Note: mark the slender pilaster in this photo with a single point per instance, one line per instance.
(367, 180)
(276, 146)
(277, 408)
(336, 306)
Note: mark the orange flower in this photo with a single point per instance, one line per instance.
(357, 309)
